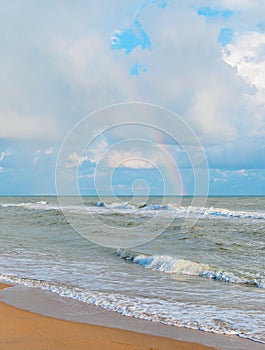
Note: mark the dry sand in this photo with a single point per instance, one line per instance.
(23, 330)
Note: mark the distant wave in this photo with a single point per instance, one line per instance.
(184, 211)
(37, 205)
(127, 205)
(179, 211)
(174, 265)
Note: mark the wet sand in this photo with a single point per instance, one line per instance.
(20, 329)
(98, 325)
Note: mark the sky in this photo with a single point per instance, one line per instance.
(64, 62)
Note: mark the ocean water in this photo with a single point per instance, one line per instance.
(204, 268)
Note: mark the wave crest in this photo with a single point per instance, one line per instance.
(179, 211)
(174, 265)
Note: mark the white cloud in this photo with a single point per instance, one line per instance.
(2, 170)
(95, 76)
(237, 4)
(48, 151)
(39, 152)
(224, 176)
(187, 74)
(184, 70)
(242, 172)
(75, 160)
(207, 112)
(64, 70)
(131, 160)
(16, 125)
(222, 173)
(247, 55)
(4, 154)
(97, 148)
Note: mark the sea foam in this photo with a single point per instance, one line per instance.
(174, 265)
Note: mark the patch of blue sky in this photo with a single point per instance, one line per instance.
(138, 69)
(208, 11)
(225, 36)
(129, 38)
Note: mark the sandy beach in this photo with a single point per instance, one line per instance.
(20, 329)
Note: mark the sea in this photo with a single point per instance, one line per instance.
(176, 261)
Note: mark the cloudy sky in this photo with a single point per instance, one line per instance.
(63, 60)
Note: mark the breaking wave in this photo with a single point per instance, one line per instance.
(179, 211)
(210, 319)
(184, 211)
(174, 265)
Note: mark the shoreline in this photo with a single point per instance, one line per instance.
(48, 307)
(27, 330)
